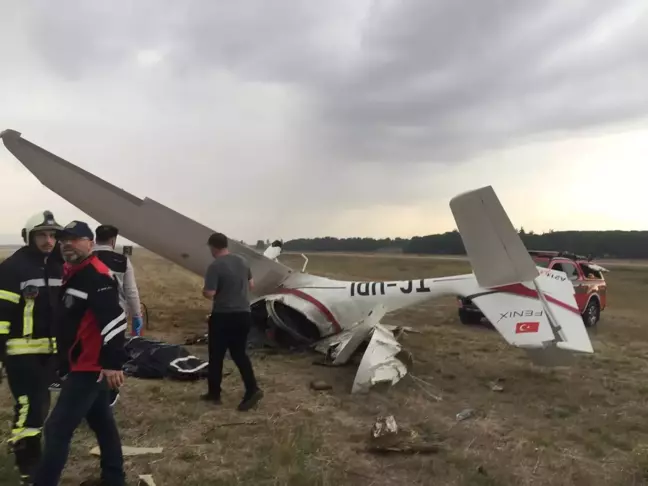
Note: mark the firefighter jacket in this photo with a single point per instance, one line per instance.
(90, 323)
(29, 286)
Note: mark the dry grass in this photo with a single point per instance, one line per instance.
(581, 426)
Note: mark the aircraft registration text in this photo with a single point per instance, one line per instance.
(380, 288)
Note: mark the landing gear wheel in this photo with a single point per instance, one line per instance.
(469, 317)
(592, 314)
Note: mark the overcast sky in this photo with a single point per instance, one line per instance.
(289, 118)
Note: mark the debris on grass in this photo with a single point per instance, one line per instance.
(145, 480)
(496, 387)
(320, 385)
(229, 424)
(465, 414)
(131, 451)
(387, 436)
(384, 427)
(406, 449)
(196, 339)
(426, 388)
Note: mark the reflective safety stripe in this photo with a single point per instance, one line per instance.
(40, 282)
(9, 296)
(34, 282)
(4, 327)
(19, 431)
(28, 317)
(121, 318)
(31, 346)
(114, 327)
(18, 434)
(77, 293)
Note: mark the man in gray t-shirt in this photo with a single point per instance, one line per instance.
(228, 281)
(230, 275)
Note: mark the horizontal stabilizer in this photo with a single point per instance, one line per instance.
(495, 250)
(520, 320)
(542, 326)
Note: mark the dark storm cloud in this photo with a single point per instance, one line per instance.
(416, 80)
(274, 40)
(438, 81)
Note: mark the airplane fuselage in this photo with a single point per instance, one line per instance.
(335, 305)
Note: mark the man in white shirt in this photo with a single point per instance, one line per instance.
(274, 250)
(122, 268)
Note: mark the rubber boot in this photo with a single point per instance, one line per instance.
(27, 454)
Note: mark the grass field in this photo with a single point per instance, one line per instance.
(580, 426)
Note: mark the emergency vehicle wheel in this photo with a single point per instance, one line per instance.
(592, 313)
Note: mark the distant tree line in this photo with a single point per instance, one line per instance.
(608, 244)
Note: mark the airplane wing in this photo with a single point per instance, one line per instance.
(144, 221)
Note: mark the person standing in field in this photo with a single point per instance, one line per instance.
(122, 268)
(90, 330)
(228, 280)
(30, 280)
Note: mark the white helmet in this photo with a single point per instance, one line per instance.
(43, 220)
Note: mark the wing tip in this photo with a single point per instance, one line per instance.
(10, 132)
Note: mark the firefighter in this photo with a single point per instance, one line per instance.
(29, 284)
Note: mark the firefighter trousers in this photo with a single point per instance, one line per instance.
(29, 377)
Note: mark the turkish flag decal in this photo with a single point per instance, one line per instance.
(522, 327)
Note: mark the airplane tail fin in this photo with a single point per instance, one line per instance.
(532, 308)
(496, 252)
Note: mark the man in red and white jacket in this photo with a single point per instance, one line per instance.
(89, 325)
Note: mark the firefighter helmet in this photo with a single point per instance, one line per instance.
(43, 220)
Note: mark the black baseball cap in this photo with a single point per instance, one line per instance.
(75, 229)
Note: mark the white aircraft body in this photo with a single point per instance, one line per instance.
(531, 307)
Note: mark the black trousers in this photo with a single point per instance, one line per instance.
(81, 396)
(29, 377)
(229, 331)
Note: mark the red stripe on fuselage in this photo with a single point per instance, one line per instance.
(321, 307)
(520, 289)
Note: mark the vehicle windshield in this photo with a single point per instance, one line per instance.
(541, 262)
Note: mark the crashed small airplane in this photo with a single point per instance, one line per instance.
(335, 317)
